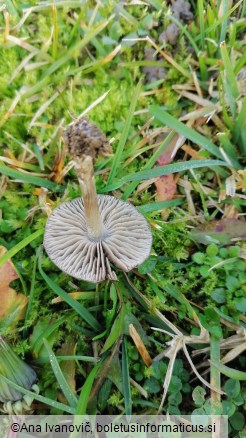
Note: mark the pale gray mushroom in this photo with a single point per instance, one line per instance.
(82, 236)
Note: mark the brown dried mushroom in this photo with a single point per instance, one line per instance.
(82, 236)
(84, 138)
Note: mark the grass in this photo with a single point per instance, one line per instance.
(178, 154)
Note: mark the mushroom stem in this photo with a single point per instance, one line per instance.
(85, 173)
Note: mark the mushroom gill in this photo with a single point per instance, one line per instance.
(126, 239)
(84, 235)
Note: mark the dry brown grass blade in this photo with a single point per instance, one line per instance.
(155, 310)
(44, 107)
(13, 105)
(213, 388)
(200, 100)
(140, 345)
(21, 66)
(140, 389)
(235, 352)
(171, 353)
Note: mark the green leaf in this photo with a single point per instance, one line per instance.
(148, 265)
(232, 388)
(240, 304)
(198, 395)
(152, 385)
(228, 408)
(219, 295)
(237, 421)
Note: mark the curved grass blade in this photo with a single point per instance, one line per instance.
(125, 132)
(153, 159)
(81, 310)
(155, 206)
(229, 372)
(40, 398)
(30, 179)
(31, 294)
(20, 246)
(126, 380)
(171, 168)
(37, 345)
(90, 359)
(86, 391)
(64, 386)
(184, 130)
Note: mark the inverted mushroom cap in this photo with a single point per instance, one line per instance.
(126, 240)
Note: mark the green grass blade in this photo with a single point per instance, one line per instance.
(230, 75)
(125, 132)
(155, 206)
(28, 178)
(150, 163)
(76, 48)
(171, 168)
(184, 130)
(230, 372)
(240, 128)
(215, 380)
(39, 156)
(86, 391)
(200, 8)
(229, 149)
(180, 166)
(203, 67)
(90, 359)
(31, 294)
(126, 379)
(64, 386)
(218, 22)
(20, 246)
(224, 24)
(81, 310)
(40, 398)
(48, 331)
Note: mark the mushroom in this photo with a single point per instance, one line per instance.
(84, 235)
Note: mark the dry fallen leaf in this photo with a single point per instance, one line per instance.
(165, 187)
(166, 184)
(12, 303)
